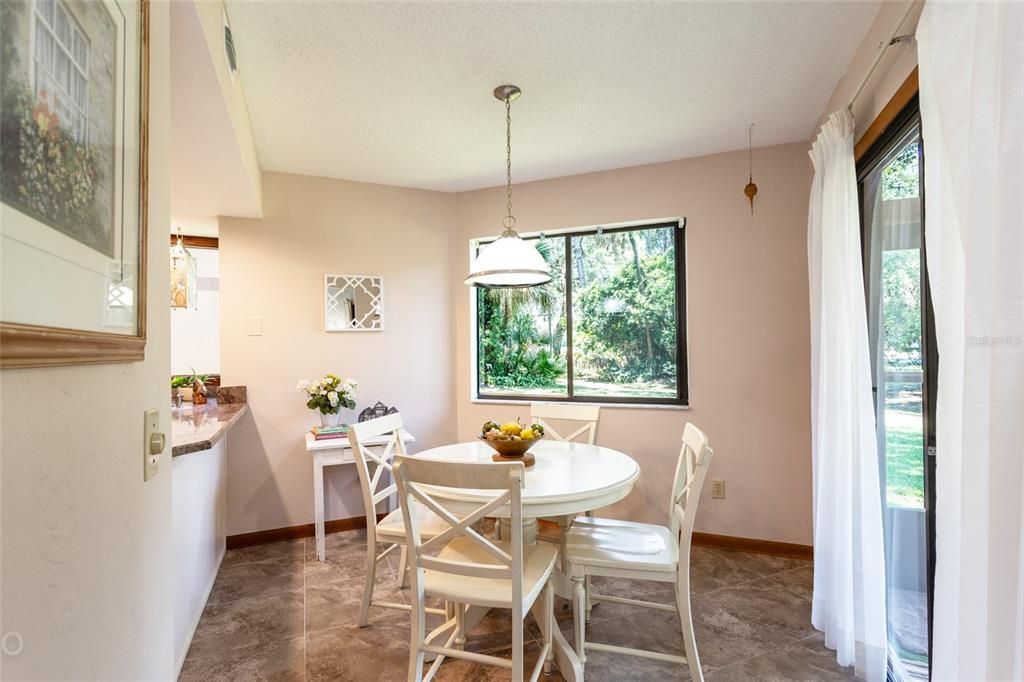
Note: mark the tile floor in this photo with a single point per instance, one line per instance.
(276, 613)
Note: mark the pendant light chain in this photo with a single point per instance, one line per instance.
(510, 221)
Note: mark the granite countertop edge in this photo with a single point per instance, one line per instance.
(222, 416)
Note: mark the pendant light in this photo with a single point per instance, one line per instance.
(509, 262)
(183, 276)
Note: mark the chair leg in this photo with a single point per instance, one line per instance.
(590, 602)
(578, 612)
(517, 645)
(689, 640)
(586, 582)
(371, 576)
(418, 633)
(403, 565)
(460, 626)
(549, 629)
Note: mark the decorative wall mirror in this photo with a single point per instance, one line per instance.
(353, 303)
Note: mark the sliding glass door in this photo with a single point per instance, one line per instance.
(899, 325)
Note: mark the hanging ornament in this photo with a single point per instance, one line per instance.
(751, 189)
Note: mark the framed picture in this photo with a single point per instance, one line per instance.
(74, 94)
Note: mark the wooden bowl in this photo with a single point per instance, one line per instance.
(511, 448)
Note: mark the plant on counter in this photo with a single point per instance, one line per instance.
(185, 380)
(330, 394)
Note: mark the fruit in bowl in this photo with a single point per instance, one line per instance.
(511, 439)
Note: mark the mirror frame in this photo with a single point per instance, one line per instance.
(331, 279)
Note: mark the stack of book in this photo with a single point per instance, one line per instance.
(329, 432)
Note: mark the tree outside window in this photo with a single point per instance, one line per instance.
(608, 330)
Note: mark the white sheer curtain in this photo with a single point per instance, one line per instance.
(849, 560)
(971, 70)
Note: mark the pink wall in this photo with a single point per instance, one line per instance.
(748, 328)
(273, 268)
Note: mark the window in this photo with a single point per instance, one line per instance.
(62, 67)
(609, 327)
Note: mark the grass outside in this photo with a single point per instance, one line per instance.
(583, 388)
(904, 459)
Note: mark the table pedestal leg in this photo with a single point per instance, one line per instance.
(529, 530)
(568, 662)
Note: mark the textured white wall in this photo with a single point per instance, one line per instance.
(86, 552)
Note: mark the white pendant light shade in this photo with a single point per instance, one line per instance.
(507, 263)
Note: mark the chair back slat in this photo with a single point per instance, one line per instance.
(462, 526)
(545, 413)
(691, 469)
(418, 481)
(374, 461)
(384, 493)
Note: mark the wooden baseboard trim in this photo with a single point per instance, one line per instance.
(783, 549)
(305, 530)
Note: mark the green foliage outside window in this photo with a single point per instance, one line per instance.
(624, 321)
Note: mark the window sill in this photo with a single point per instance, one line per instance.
(612, 406)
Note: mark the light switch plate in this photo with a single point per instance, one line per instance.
(150, 439)
(256, 326)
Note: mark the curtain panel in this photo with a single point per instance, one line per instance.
(849, 561)
(971, 71)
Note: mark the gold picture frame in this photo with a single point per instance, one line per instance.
(25, 345)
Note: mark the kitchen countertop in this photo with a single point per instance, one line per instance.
(198, 427)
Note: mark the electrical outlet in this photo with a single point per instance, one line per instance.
(718, 489)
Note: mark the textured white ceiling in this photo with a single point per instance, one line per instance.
(400, 93)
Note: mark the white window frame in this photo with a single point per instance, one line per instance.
(39, 22)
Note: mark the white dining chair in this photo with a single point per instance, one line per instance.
(641, 551)
(374, 468)
(465, 568)
(585, 419)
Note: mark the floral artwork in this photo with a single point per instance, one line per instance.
(330, 394)
(57, 113)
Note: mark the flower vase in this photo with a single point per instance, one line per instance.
(330, 419)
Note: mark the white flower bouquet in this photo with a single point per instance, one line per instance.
(330, 394)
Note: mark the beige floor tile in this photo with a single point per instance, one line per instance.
(276, 613)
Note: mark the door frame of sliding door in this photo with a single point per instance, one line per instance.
(878, 152)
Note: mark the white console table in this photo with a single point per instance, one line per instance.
(329, 453)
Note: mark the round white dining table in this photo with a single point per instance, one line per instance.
(567, 479)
